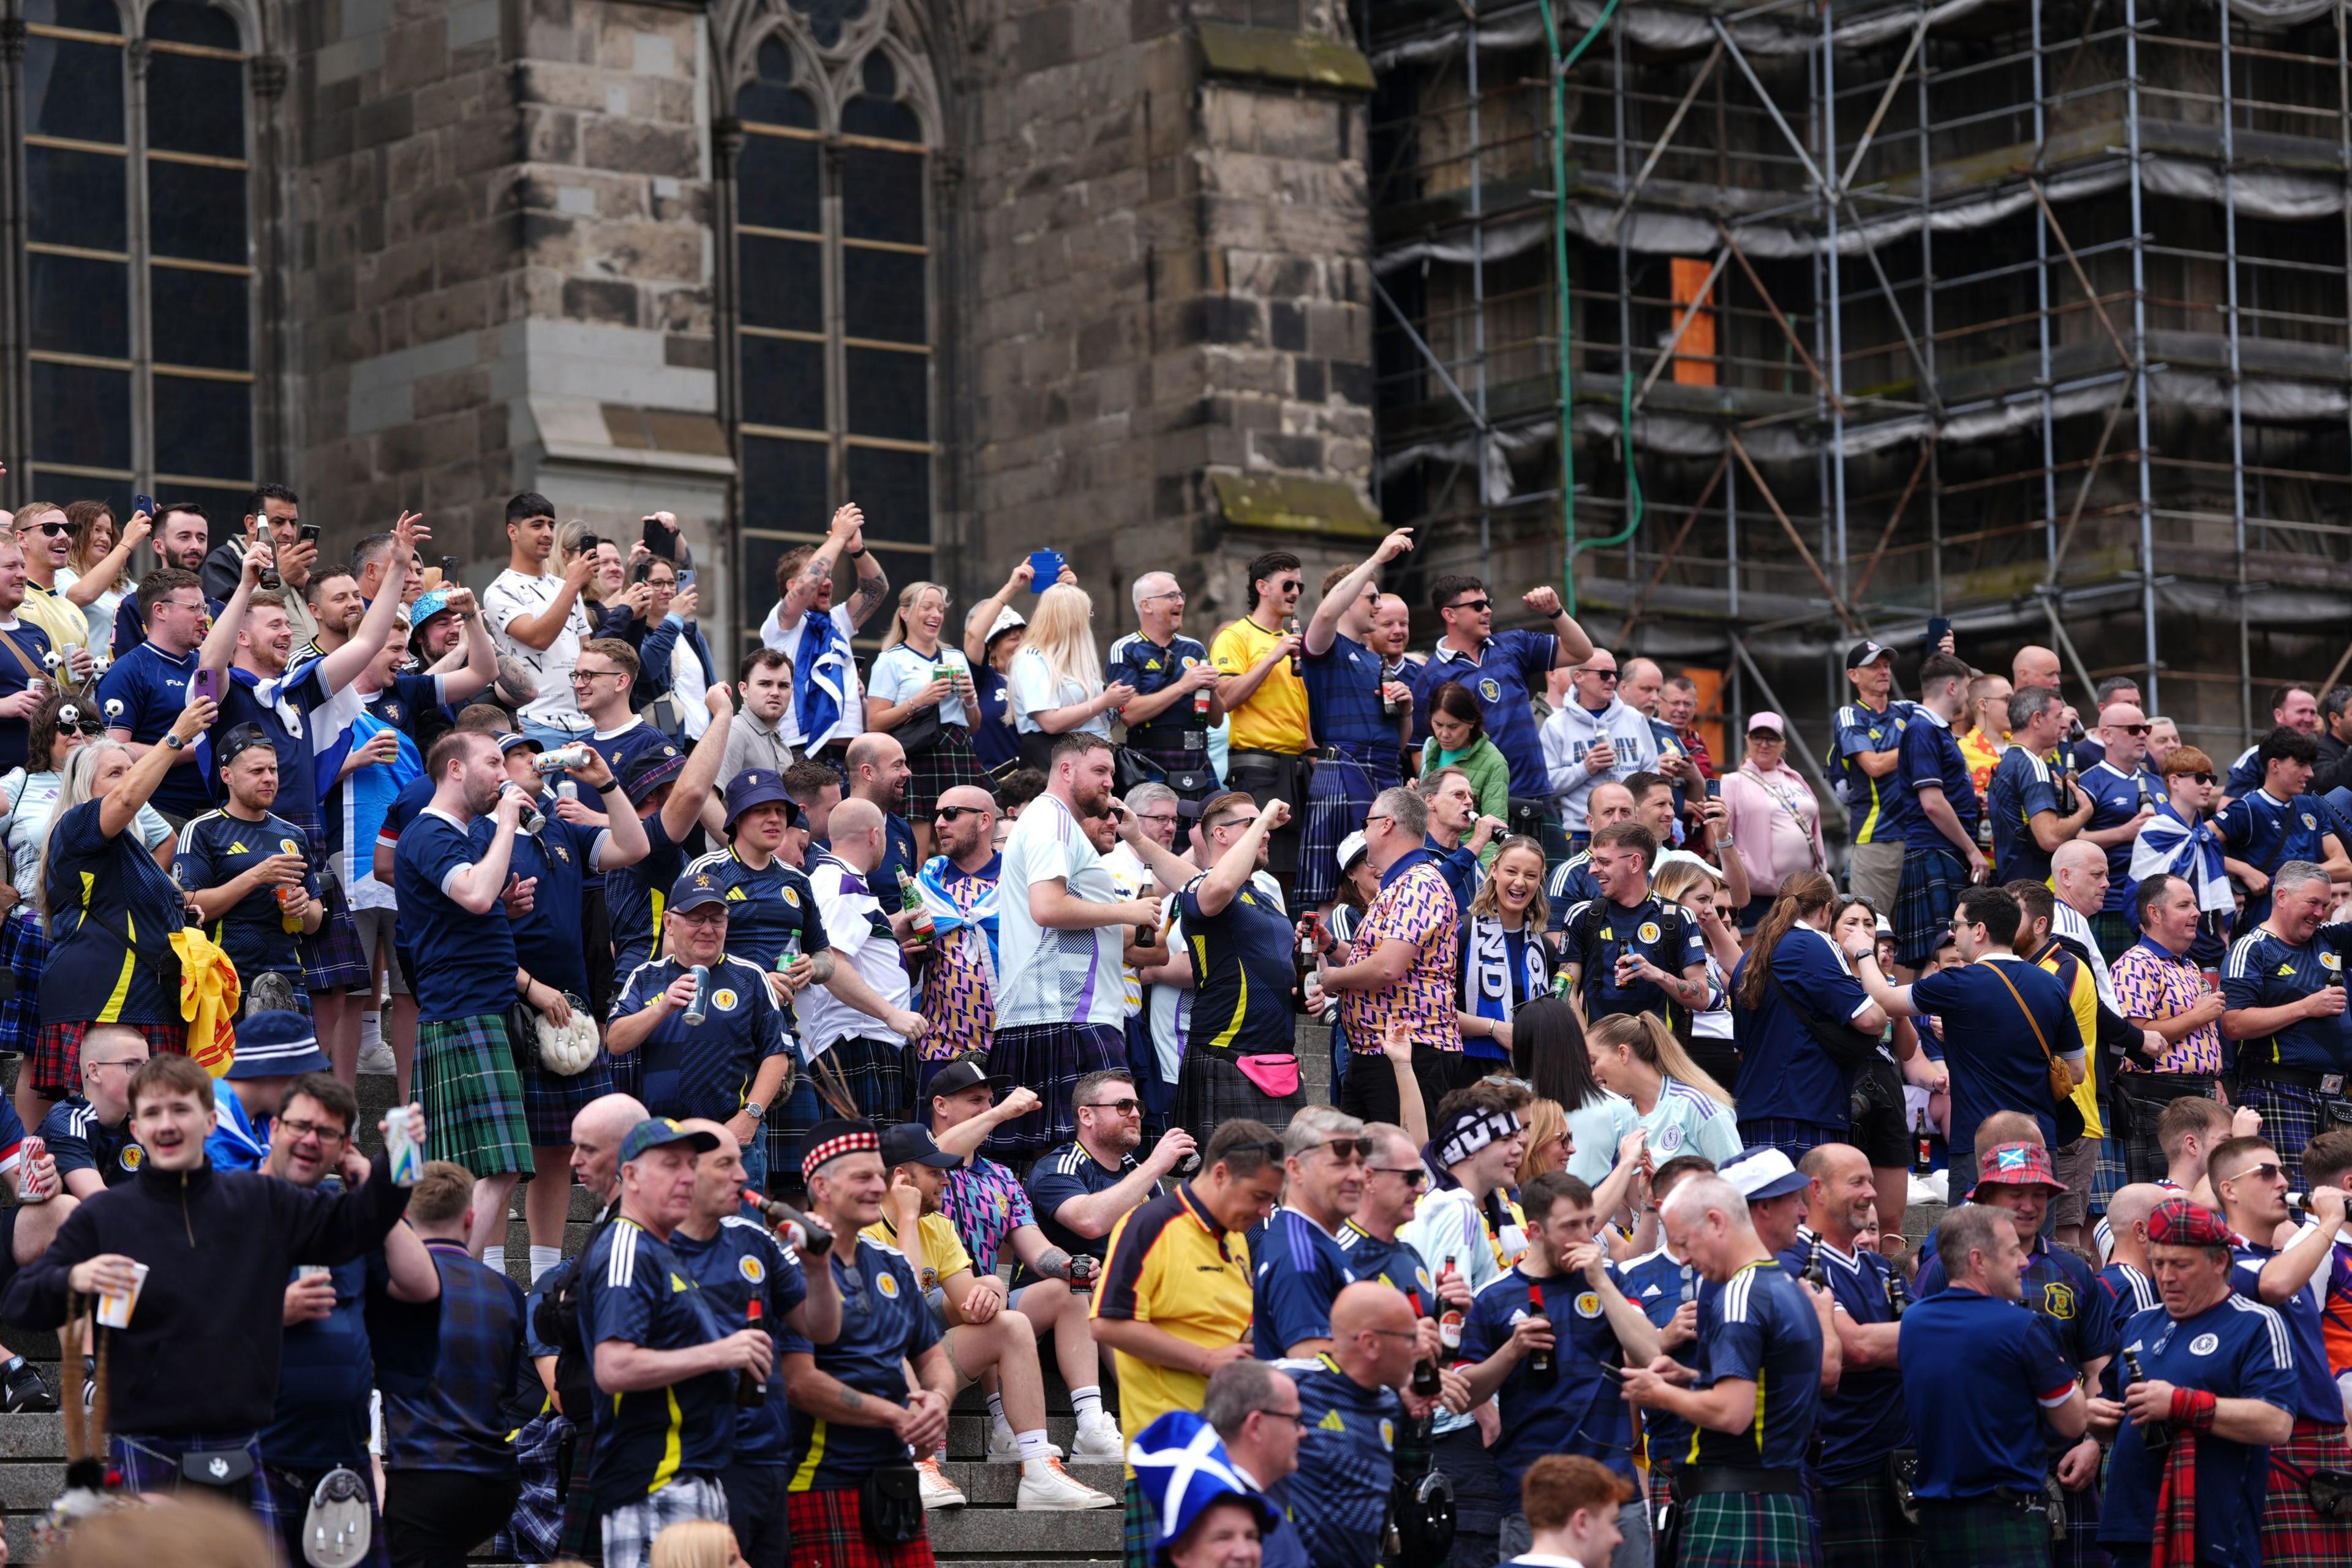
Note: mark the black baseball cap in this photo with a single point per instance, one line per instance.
(966, 1073)
(911, 1143)
(1866, 652)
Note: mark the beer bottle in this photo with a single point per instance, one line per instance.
(1898, 1296)
(1923, 1146)
(1814, 1274)
(910, 898)
(1540, 1365)
(1449, 1321)
(751, 1389)
(1425, 1370)
(2157, 1438)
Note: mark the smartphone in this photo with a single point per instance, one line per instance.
(449, 568)
(1715, 789)
(645, 569)
(1044, 569)
(588, 542)
(307, 532)
(657, 538)
(145, 504)
(205, 683)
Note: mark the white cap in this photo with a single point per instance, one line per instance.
(1351, 849)
(1006, 619)
(1762, 1172)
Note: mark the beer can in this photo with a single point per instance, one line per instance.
(694, 1013)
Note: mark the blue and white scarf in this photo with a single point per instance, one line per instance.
(818, 688)
(2168, 846)
(931, 882)
(1489, 988)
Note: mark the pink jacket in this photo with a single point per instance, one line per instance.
(1777, 823)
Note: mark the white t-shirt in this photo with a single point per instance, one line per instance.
(774, 634)
(850, 913)
(1031, 690)
(514, 595)
(899, 672)
(1056, 976)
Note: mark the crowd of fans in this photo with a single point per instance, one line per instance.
(901, 1014)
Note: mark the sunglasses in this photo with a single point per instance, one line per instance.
(54, 530)
(1473, 604)
(2268, 1171)
(949, 813)
(1600, 674)
(2206, 779)
(2135, 728)
(1350, 1147)
(1411, 1175)
(1121, 1107)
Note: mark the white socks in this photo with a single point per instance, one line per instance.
(1034, 1448)
(494, 1259)
(996, 1412)
(1086, 1401)
(543, 1258)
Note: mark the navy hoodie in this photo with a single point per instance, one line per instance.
(201, 1356)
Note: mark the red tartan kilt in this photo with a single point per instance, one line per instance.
(826, 1534)
(2294, 1534)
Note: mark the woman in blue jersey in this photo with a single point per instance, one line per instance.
(111, 910)
(1503, 959)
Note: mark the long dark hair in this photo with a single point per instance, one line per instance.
(1455, 700)
(1547, 1050)
(1807, 892)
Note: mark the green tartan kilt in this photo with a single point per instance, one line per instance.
(1861, 1525)
(472, 1096)
(1987, 1534)
(1746, 1530)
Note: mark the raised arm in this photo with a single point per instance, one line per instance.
(873, 588)
(86, 589)
(380, 624)
(120, 806)
(700, 775)
(1232, 872)
(1325, 623)
(802, 592)
(220, 643)
(975, 628)
(1573, 647)
(539, 632)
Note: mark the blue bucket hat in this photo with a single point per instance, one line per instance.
(276, 1045)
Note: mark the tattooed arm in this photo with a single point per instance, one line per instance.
(873, 583)
(802, 592)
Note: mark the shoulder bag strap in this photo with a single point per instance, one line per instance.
(32, 671)
(2039, 1037)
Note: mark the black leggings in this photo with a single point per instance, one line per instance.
(432, 1519)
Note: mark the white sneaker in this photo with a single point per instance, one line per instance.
(1098, 1438)
(375, 1051)
(938, 1490)
(1046, 1485)
(1004, 1448)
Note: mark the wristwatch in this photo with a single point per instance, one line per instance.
(755, 1111)
(174, 741)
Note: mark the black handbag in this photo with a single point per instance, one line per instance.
(1848, 1048)
(919, 732)
(890, 1504)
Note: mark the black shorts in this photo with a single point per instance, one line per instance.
(1880, 1132)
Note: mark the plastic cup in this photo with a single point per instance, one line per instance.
(115, 1307)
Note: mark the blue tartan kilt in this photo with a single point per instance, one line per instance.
(1933, 881)
(2292, 1117)
(333, 960)
(1338, 798)
(550, 1100)
(153, 1465)
(25, 951)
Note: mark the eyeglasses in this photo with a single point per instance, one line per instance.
(1177, 593)
(2268, 1171)
(582, 677)
(298, 1129)
(1156, 816)
(1394, 1334)
(1411, 1175)
(1473, 604)
(715, 915)
(1344, 1149)
(1121, 1107)
(133, 1064)
(1299, 1416)
(949, 813)
(1377, 817)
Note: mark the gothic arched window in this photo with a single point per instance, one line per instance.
(833, 286)
(137, 310)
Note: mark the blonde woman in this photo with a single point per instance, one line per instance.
(1682, 1110)
(922, 691)
(92, 576)
(1698, 887)
(1547, 1143)
(1055, 686)
(696, 1544)
(1501, 955)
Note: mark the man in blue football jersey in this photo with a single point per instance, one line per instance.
(2283, 984)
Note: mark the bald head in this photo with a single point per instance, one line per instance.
(1368, 1306)
(2080, 856)
(968, 797)
(717, 1174)
(596, 1133)
(1373, 1334)
(856, 829)
(2078, 875)
(2033, 666)
(2131, 1206)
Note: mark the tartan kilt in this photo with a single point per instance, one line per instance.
(2081, 1549)
(2111, 1176)
(1933, 881)
(550, 1100)
(472, 1097)
(1863, 1527)
(1337, 797)
(2294, 1534)
(2147, 1095)
(1748, 1530)
(333, 960)
(55, 1061)
(827, 1532)
(1212, 1088)
(1793, 1138)
(153, 1465)
(2292, 1117)
(1987, 1535)
(943, 767)
(24, 953)
(1049, 1058)
(1136, 1545)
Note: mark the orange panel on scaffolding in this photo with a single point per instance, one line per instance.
(1694, 354)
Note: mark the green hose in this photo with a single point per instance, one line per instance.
(1570, 547)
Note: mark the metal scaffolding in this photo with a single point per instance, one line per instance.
(2031, 314)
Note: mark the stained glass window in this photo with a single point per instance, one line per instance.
(138, 254)
(833, 311)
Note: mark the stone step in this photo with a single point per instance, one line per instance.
(968, 1433)
(968, 1532)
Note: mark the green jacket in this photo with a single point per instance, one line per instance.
(1490, 776)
